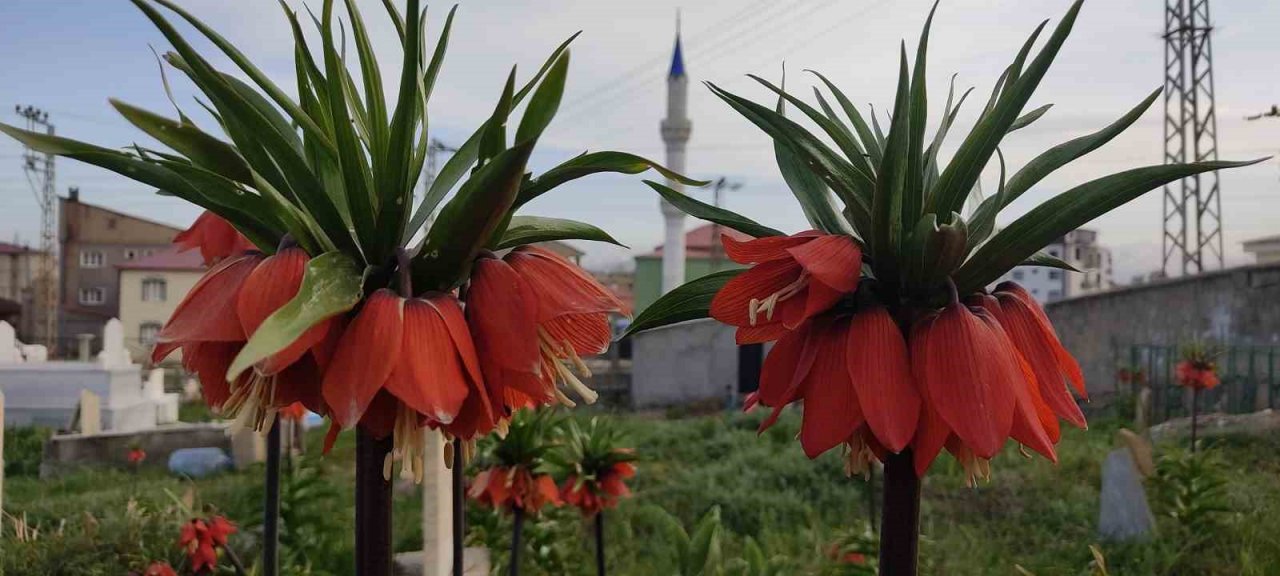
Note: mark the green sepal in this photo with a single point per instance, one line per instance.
(589, 163)
(332, 284)
(690, 301)
(704, 211)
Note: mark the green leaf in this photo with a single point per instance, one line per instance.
(1049, 261)
(891, 182)
(983, 222)
(394, 179)
(691, 301)
(868, 138)
(241, 61)
(352, 162)
(1026, 119)
(843, 139)
(545, 101)
(966, 166)
(704, 211)
(202, 149)
(531, 229)
(812, 193)
(593, 163)
(1062, 154)
(469, 220)
(949, 114)
(330, 286)
(913, 192)
(836, 172)
(1066, 212)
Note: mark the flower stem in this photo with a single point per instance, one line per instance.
(271, 509)
(518, 514)
(1195, 403)
(900, 523)
(459, 508)
(373, 506)
(600, 543)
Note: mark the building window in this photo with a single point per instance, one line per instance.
(148, 252)
(1055, 274)
(93, 296)
(1055, 294)
(130, 253)
(1053, 252)
(1017, 274)
(154, 290)
(92, 259)
(147, 333)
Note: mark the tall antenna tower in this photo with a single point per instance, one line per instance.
(40, 173)
(1192, 206)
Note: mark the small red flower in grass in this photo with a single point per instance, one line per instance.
(137, 455)
(216, 318)
(159, 568)
(600, 493)
(401, 364)
(200, 539)
(216, 238)
(1197, 375)
(792, 279)
(515, 487)
(533, 314)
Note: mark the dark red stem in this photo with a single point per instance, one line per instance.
(373, 506)
(900, 521)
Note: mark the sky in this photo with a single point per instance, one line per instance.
(69, 57)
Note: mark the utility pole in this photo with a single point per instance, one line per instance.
(721, 185)
(434, 148)
(40, 172)
(1193, 205)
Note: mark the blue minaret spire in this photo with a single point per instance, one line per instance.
(677, 58)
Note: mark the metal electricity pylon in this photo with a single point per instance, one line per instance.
(39, 169)
(1192, 238)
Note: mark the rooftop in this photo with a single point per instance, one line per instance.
(167, 259)
(698, 242)
(7, 248)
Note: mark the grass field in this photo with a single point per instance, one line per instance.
(1032, 515)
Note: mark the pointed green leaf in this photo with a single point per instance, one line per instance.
(891, 182)
(913, 190)
(545, 101)
(1066, 212)
(1026, 119)
(1049, 261)
(691, 301)
(868, 138)
(532, 229)
(594, 163)
(202, 149)
(331, 285)
(704, 211)
(1060, 155)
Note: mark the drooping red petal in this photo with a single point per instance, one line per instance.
(759, 250)
(730, 304)
(300, 383)
(1066, 362)
(379, 418)
(588, 333)
(271, 285)
(502, 315)
(208, 312)
(782, 378)
(832, 259)
(366, 354)
(1040, 353)
(881, 373)
(216, 238)
(831, 411)
(429, 376)
(759, 334)
(967, 388)
(561, 287)
(209, 361)
(1027, 428)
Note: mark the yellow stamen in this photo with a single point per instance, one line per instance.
(409, 446)
(252, 404)
(560, 360)
(770, 302)
(858, 457)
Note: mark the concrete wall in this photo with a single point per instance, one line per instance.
(48, 393)
(1235, 306)
(683, 363)
(135, 312)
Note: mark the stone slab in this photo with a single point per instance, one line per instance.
(1124, 514)
(68, 452)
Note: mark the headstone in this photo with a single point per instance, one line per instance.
(154, 388)
(114, 354)
(90, 413)
(437, 509)
(8, 344)
(198, 462)
(247, 447)
(1125, 514)
(1, 463)
(85, 346)
(190, 390)
(33, 353)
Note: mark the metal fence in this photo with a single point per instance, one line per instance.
(1249, 376)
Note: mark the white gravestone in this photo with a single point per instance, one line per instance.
(114, 354)
(1124, 513)
(8, 345)
(437, 509)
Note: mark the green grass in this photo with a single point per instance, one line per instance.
(1032, 514)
